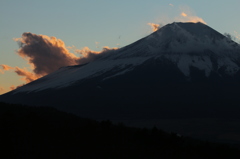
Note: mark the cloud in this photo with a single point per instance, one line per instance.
(188, 15)
(90, 55)
(13, 87)
(176, 14)
(190, 18)
(183, 14)
(47, 54)
(27, 76)
(5, 68)
(97, 44)
(2, 89)
(154, 26)
(237, 35)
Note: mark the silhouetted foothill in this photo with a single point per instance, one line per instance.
(40, 132)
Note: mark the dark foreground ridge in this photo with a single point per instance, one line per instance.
(43, 132)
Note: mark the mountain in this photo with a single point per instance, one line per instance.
(183, 76)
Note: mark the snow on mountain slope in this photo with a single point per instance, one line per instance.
(68, 75)
(185, 44)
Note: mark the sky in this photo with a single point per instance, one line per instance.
(37, 37)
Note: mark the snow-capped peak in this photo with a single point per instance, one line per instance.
(191, 37)
(185, 44)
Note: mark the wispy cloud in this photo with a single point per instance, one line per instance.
(237, 35)
(89, 55)
(154, 26)
(97, 44)
(188, 15)
(2, 89)
(12, 87)
(5, 68)
(183, 14)
(27, 75)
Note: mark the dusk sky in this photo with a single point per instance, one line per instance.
(93, 24)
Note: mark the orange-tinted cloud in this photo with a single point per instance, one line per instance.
(237, 35)
(193, 19)
(183, 14)
(188, 15)
(12, 87)
(1, 89)
(90, 55)
(47, 54)
(5, 68)
(27, 76)
(154, 27)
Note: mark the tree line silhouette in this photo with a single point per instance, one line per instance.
(44, 132)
